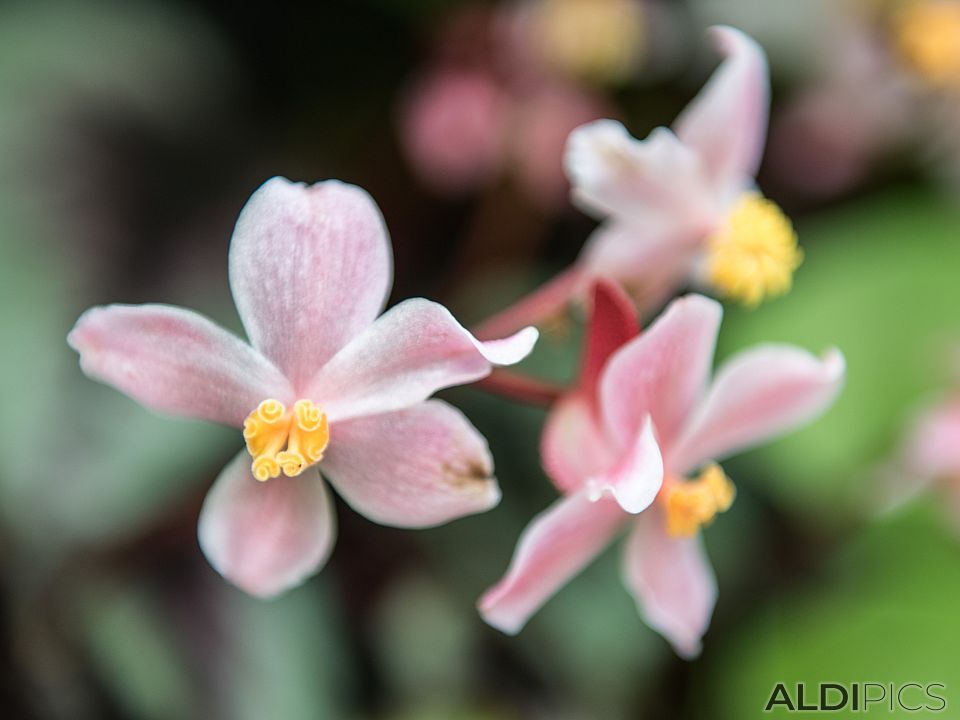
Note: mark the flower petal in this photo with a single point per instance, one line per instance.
(574, 445)
(636, 479)
(757, 395)
(672, 581)
(418, 467)
(176, 361)
(557, 544)
(726, 124)
(651, 262)
(310, 267)
(933, 443)
(657, 182)
(410, 352)
(662, 373)
(266, 537)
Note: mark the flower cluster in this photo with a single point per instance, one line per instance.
(330, 387)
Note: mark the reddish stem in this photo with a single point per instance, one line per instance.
(521, 388)
(532, 309)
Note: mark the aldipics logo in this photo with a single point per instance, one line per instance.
(858, 697)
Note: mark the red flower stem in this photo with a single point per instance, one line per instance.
(521, 388)
(547, 300)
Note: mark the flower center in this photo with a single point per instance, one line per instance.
(281, 440)
(694, 503)
(753, 255)
(928, 38)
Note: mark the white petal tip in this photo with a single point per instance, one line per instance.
(511, 350)
(727, 38)
(835, 364)
(488, 610)
(689, 650)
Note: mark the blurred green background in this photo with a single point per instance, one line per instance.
(131, 133)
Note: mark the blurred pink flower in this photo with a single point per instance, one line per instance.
(827, 138)
(454, 128)
(681, 206)
(469, 120)
(310, 270)
(929, 458)
(643, 417)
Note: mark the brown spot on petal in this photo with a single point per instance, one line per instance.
(474, 472)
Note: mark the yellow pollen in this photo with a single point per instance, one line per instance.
(282, 441)
(754, 254)
(694, 503)
(927, 34)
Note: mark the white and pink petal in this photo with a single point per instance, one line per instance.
(726, 124)
(574, 445)
(310, 267)
(175, 361)
(656, 183)
(662, 373)
(417, 467)
(757, 395)
(266, 537)
(635, 479)
(557, 544)
(672, 581)
(410, 352)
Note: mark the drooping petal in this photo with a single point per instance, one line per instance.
(655, 182)
(557, 544)
(417, 467)
(574, 445)
(636, 478)
(612, 323)
(651, 262)
(662, 373)
(310, 267)
(410, 352)
(672, 581)
(726, 124)
(266, 537)
(176, 361)
(757, 395)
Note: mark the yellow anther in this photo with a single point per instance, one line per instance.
(753, 255)
(304, 433)
(694, 503)
(600, 40)
(723, 491)
(927, 34)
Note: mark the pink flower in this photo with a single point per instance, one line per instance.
(643, 417)
(454, 126)
(681, 206)
(324, 385)
(929, 459)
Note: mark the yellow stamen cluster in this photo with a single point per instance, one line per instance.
(753, 255)
(694, 503)
(927, 34)
(279, 440)
(600, 40)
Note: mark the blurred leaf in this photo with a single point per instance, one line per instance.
(425, 641)
(134, 652)
(287, 656)
(879, 282)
